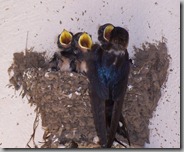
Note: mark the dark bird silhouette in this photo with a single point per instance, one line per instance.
(104, 33)
(108, 70)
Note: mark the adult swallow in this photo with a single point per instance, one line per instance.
(104, 33)
(108, 70)
(82, 42)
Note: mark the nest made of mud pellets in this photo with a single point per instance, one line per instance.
(63, 101)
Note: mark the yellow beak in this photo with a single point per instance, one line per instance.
(65, 38)
(107, 32)
(85, 41)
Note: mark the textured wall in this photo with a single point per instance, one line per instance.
(44, 20)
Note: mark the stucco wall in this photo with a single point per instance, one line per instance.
(43, 20)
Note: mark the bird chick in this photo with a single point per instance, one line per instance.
(105, 35)
(64, 39)
(82, 42)
(64, 60)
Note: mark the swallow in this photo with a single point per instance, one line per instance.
(64, 60)
(64, 39)
(82, 42)
(65, 43)
(104, 33)
(108, 71)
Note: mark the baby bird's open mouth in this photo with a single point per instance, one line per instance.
(85, 41)
(65, 38)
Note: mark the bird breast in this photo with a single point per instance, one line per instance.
(64, 65)
(111, 67)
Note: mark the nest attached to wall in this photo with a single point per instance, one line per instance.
(62, 98)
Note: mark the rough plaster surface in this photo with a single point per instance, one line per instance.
(44, 20)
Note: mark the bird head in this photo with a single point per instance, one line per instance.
(83, 41)
(119, 38)
(104, 32)
(65, 39)
(116, 37)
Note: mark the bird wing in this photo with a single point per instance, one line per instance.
(120, 85)
(94, 64)
(98, 110)
(98, 94)
(118, 93)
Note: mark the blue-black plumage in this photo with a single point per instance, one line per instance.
(108, 70)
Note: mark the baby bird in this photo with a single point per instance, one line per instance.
(82, 44)
(104, 35)
(64, 60)
(64, 39)
(73, 51)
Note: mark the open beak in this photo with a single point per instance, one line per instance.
(65, 38)
(85, 42)
(107, 32)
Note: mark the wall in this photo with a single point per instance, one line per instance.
(44, 20)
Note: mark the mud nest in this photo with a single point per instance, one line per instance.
(62, 98)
